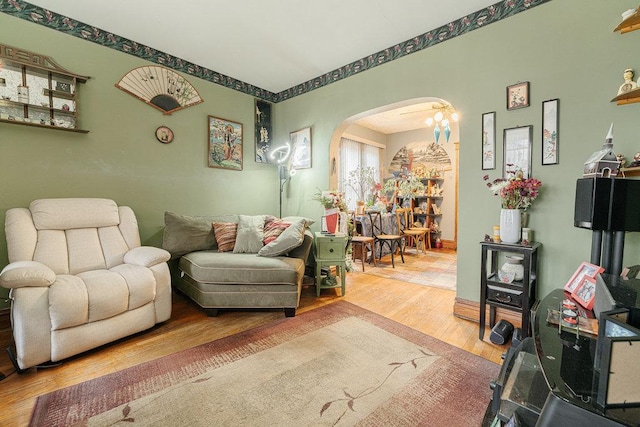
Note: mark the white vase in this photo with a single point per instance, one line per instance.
(510, 225)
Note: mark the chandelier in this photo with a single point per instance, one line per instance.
(444, 113)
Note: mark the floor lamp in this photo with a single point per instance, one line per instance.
(284, 174)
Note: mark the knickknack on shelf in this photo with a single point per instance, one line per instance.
(36, 91)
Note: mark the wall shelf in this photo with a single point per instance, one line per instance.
(630, 24)
(630, 97)
(36, 91)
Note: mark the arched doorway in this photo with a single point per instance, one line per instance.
(401, 128)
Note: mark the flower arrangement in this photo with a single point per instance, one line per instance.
(331, 199)
(515, 192)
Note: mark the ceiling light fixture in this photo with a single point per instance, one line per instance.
(444, 113)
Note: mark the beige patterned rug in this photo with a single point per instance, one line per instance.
(435, 268)
(338, 365)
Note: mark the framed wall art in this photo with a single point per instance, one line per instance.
(550, 135)
(518, 96)
(164, 134)
(517, 151)
(225, 143)
(300, 148)
(489, 141)
(585, 293)
(263, 131)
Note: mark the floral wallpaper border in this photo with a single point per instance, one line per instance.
(494, 13)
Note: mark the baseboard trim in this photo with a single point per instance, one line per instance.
(470, 310)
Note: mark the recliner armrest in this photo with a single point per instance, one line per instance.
(22, 274)
(146, 256)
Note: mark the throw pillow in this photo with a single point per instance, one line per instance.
(291, 238)
(225, 233)
(250, 234)
(273, 229)
(183, 234)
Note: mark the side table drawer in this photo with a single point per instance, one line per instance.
(331, 249)
(510, 297)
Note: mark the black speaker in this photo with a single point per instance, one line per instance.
(625, 206)
(501, 332)
(593, 203)
(608, 204)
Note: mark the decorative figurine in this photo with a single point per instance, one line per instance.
(603, 163)
(628, 84)
(621, 159)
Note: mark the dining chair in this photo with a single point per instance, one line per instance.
(414, 235)
(427, 230)
(361, 244)
(394, 241)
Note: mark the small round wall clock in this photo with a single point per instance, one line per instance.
(164, 134)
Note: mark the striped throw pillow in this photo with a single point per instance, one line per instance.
(225, 233)
(273, 229)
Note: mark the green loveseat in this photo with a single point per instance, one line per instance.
(243, 278)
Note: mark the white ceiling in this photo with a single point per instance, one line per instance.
(272, 44)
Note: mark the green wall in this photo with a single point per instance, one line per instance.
(565, 49)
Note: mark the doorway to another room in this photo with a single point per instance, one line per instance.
(412, 141)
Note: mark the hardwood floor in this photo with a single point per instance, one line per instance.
(427, 309)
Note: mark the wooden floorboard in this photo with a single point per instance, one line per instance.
(426, 309)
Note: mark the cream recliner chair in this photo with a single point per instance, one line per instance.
(79, 278)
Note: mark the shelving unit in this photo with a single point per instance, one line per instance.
(423, 205)
(36, 91)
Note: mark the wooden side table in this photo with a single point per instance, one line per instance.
(330, 251)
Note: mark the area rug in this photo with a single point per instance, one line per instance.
(437, 269)
(337, 365)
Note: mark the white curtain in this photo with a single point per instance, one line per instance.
(354, 154)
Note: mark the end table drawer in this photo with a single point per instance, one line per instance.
(331, 249)
(510, 297)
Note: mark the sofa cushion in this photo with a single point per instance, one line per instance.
(273, 229)
(291, 238)
(225, 233)
(250, 234)
(240, 269)
(308, 221)
(184, 233)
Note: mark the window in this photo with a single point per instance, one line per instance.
(354, 154)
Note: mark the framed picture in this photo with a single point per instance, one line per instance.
(585, 293)
(585, 270)
(489, 141)
(517, 151)
(164, 134)
(263, 132)
(225, 143)
(550, 131)
(300, 148)
(518, 96)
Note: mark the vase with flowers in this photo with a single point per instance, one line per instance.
(516, 195)
(335, 210)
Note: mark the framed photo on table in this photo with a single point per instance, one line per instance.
(585, 270)
(517, 151)
(585, 293)
(489, 141)
(518, 96)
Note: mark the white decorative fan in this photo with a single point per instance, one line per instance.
(160, 87)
